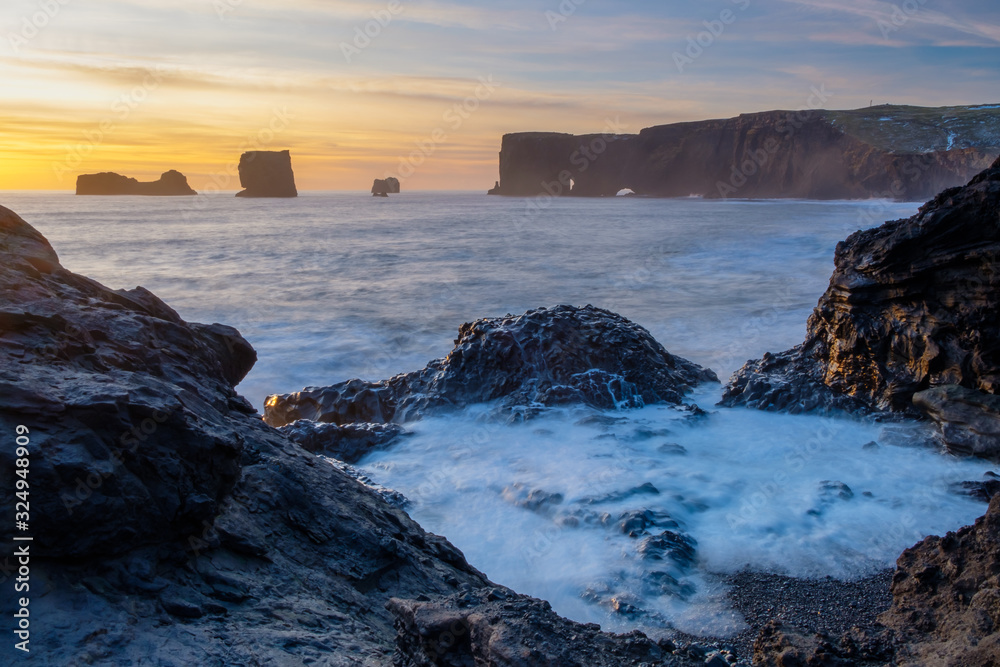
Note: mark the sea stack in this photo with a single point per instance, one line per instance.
(171, 183)
(385, 187)
(267, 174)
(495, 190)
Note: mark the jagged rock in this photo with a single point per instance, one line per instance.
(548, 356)
(107, 183)
(488, 627)
(946, 597)
(136, 430)
(969, 419)
(781, 646)
(495, 190)
(911, 305)
(267, 174)
(815, 154)
(348, 443)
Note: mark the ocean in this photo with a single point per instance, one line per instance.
(332, 286)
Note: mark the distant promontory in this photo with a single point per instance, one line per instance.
(267, 174)
(891, 152)
(171, 183)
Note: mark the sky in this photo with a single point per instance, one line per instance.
(424, 90)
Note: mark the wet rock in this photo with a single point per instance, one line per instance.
(534, 500)
(549, 356)
(267, 174)
(984, 490)
(131, 411)
(636, 523)
(645, 489)
(672, 449)
(669, 546)
(969, 420)
(911, 305)
(348, 443)
(463, 631)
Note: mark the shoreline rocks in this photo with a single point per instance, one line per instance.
(267, 174)
(548, 356)
(173, 526)
(911, 305)
(171, 183)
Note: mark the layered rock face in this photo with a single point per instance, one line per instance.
(911, 305)
(172, 526)
(548, 356)
(171, 183)
(267, 174)
(807, 154)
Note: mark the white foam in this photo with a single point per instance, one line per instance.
(749, 490)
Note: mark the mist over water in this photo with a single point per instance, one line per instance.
(331, 286)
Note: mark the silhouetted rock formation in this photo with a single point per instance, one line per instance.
(385, 187)
(495, 190)
(267, 174)
(904, 153)
(547, 356)
(173, 526)
(911, 305)
(171, 183)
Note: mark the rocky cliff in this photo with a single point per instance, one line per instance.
(267, 174)
(911, 305)
(905, 153)
(107, 183)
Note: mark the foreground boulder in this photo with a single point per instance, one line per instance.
(267, 174)
(946, 597)
(171, 183)
(173, 527)
(548, 356)
(911, 305)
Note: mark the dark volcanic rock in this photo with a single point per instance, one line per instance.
(969, 419)
(911, 305)
(810, 154)
(946, 597)
(495, 190)
(173, 527)
(488, 627)
(348, 443)
(131, 410)
(380, 188)
(547, 356)
(267, 174)
(107, 183)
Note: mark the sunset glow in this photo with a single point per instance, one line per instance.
(357, 89)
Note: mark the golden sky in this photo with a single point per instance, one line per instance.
(143, 86)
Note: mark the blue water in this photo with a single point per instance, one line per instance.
(337, 285)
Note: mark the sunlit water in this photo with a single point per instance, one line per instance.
(337, 285)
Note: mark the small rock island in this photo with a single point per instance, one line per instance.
(171, 183)
(385, 187)
(267, 174)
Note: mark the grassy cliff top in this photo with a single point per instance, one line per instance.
(907, 129)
